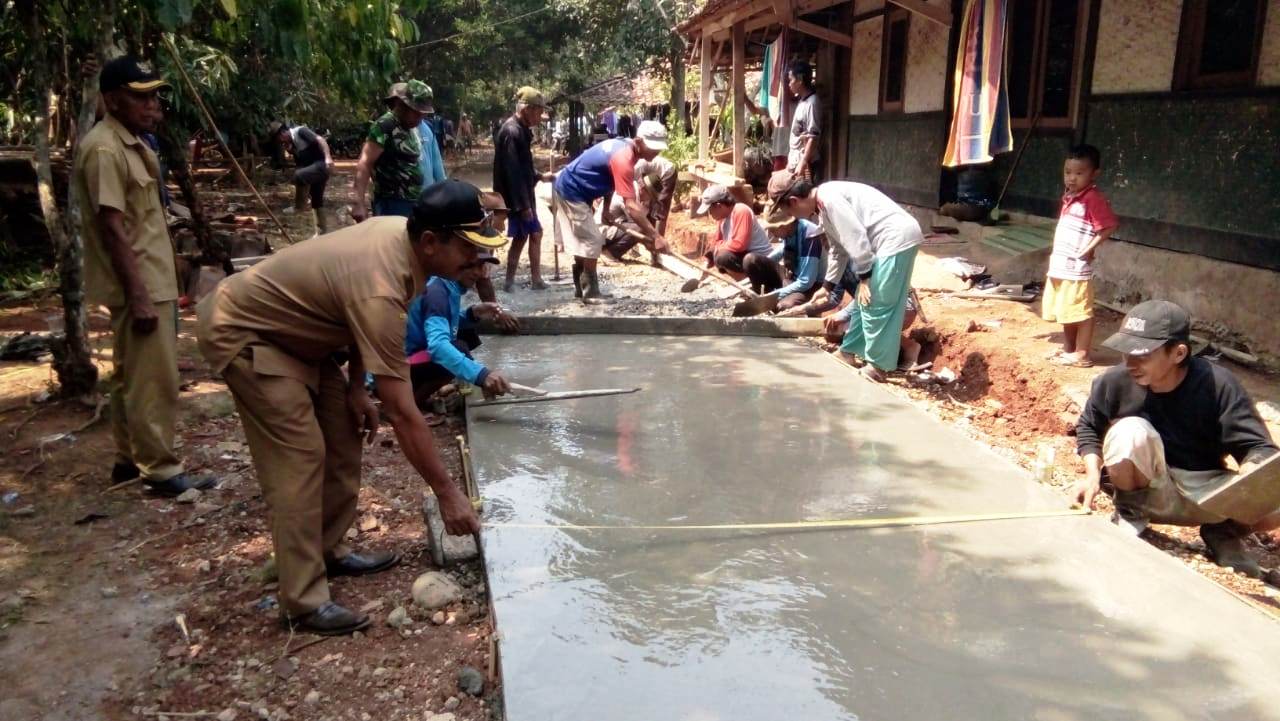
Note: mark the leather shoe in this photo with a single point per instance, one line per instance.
(361, 564)
(182, 482)
(329, 619)
(122, 472)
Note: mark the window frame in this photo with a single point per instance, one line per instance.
(1186, 73)
(893, 15)
(1081, 51)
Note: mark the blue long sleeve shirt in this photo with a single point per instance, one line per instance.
(430, 161)
(434, 318)
(802, 252)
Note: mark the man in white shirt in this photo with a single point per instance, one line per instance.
(806, 129)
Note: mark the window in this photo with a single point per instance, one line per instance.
(1219, 44)
(893, 60)
(1046, 43)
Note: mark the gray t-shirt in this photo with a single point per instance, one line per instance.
(804, 125)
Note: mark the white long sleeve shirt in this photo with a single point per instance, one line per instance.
(862, 224)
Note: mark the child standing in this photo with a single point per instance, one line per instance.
(1086, 221)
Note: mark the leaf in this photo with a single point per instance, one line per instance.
(229, 6)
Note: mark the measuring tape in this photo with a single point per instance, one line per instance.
(809, 525)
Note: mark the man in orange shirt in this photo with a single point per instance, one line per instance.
(740, 244)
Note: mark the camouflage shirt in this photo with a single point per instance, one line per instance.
(397, 173)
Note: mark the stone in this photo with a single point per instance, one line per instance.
(203, 566)
(437, 618)
(312, 698)
(227, 715)
(284, 668)
(441, 717)
(452, 703)
(398, 618)
(109, 591)
(470, 681)
(191, 495)
(433, 590)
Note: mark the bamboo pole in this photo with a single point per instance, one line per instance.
(217, 135)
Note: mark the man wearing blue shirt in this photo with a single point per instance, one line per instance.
(801, 253)
(440, 336)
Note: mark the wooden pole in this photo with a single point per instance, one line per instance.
(208, 118)
(707, 60)
(739, 99)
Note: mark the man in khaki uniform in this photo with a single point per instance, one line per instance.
(128, 267)
(273, 330)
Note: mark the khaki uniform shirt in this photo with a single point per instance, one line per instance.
(348, 288)
(115, 169)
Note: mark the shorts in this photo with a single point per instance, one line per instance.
(1067, 301)
(518, 227)
(393, 206)
(575, 227)
(1175, 495)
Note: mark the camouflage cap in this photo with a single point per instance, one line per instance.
(414, 93)
(531, 96)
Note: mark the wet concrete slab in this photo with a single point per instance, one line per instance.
(1049, 619)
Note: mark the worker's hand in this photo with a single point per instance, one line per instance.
(359, 212)
(363, 411)
(495, 385)
(711, 260)
(864, 293)
(832, 325)
(1085, 492)
(660, 244)
(143, 313)
(548, 177)
(328, 163)
(459, 517)
(507, 322)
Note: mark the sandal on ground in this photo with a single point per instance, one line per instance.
(873, 374)
(1072, 361)
(915, 367)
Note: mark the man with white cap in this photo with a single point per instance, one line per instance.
(608, 167)
(1157, 428)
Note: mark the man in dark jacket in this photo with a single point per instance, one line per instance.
(1156, 431)
(515, 177)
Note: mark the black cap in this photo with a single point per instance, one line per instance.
(1148, 326)
(128, 71)
(455, 205)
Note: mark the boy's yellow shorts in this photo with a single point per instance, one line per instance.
(1067, 301)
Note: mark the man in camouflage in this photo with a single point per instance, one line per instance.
(391, 153)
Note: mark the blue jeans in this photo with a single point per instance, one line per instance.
(393, 206)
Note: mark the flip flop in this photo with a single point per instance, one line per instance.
(1071, 361)
(916, 367)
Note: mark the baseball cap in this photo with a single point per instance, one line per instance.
(780, 186)
(456, 206)
(531, 96)
(653, 133)
(130, 72)
(713, 194)
(414, 93)
(1149, 325)
(487, 256)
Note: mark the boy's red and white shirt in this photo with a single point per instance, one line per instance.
(1083, 216)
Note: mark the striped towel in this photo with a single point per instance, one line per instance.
(980, 127)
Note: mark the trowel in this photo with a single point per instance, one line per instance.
(536, 395)
(766, 303)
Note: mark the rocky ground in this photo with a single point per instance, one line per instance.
(115, 605)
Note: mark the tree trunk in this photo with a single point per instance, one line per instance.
(677, 85)
(73, 357)
(174, 151)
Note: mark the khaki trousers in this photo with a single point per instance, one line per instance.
(144, 392)
(306, 450)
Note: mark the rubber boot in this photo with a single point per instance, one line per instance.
(592, 286)
(300, 194)
(1226, 547)
(577, 279)
(322, 222)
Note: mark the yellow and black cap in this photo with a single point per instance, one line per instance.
(456, 206)
(130, 72)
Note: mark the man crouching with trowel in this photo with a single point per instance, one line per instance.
(273, 330)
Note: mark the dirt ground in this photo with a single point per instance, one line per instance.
(118, 606)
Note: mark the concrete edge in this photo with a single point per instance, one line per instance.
(663, 325)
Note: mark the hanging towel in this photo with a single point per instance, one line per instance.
(773, 80)
(980, 126)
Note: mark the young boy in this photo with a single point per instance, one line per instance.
(1086, 221)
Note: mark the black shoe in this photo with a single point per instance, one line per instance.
(361, 564)
(1225, 541)
(328, 620)
(182, 482)
(122, 472)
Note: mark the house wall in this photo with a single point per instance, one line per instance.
(898, 152)
(1137, 43)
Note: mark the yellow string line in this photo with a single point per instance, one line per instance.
(810, 525)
